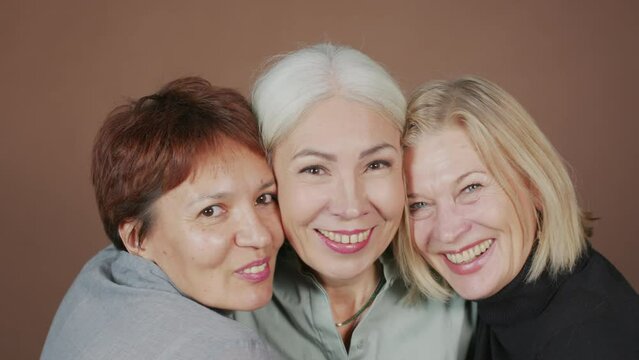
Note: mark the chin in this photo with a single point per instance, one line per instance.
(249, 299)
(255, 298)
(473, 288)
(471, 294)
(343, 270)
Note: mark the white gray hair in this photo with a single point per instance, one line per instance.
(298, 80)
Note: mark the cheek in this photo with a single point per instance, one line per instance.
(272, 222)
(419, 233)
(388, 197)
(300, 203)
(209, 247)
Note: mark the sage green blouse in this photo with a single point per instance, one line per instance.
(298, 323)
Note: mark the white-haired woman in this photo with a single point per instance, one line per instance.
(495, 215)
(331, 121)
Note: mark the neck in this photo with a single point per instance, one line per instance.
(354, 290)
(348, 296)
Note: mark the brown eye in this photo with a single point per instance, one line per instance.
(313, 170)
(212, 211)
(266, 199)
(378, 165)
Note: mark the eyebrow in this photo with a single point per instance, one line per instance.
(216, 196)
(311, 152)
(375, 149)
(466, 174)
(222, 195)
(332, 157)
(267, 184)
(457, 181)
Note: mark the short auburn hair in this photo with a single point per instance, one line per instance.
(151, 145)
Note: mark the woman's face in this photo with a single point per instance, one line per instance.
(216, 235)
(341, 191)
(462, 221)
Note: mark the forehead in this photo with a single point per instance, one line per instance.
(448, 152)
(334, 119)
(229, 159)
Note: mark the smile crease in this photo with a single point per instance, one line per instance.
(345, 239)
(469, 255)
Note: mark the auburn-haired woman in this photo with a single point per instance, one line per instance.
(188, 200)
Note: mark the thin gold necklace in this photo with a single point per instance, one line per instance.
(366, 306)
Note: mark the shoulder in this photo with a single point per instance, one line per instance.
(595, 313)
(596, 338)
(599, 289)
(213, 337)
(133, 312)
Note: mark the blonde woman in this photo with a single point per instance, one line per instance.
(494, 215)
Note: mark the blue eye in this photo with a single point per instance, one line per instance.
(472, 188)
(266, 199)
(416, 206)
(313, 170)
(378, 165)
(213, 211)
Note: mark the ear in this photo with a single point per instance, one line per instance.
(129, 231)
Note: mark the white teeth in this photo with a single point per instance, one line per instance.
(255, 269)
(469, 254)
(346, 239)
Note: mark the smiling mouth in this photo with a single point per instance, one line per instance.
(352, 238)
(254, 269)
(470, 254)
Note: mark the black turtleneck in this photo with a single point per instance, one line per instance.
(589, 313)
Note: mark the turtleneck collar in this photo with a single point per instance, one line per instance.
(521, 300)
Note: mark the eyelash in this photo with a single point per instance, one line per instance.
(209, 211)
(472, 188)
(313, 170)
(263, 199)
(270, 198)
(378, 165)
(416, 206)
(319, 170)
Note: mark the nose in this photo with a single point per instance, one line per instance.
(252, 231)
(449, 223)
(349, 200)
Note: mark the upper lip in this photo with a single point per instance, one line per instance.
(466, 247)
(257, 262)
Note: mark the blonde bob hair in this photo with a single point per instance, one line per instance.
(519, 157)
(298, 80)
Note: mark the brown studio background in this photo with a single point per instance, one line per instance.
(64, 65)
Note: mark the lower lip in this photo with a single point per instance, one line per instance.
(345, 248)
(470, 267)
(256, 277)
